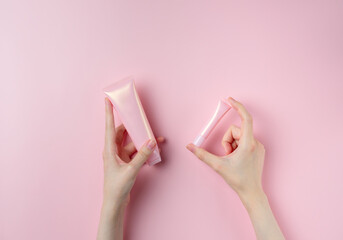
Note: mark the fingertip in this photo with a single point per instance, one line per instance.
(109, 117)
(151, 144)
(191, 147)
(232, 101)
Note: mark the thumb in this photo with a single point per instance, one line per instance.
(143, 154)
(205, 156)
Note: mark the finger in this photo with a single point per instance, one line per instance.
(131, 149)
(207, 157)
(109, 129)
(143, 154)
(247, 124)
(160, 139)
(120, 134)
(230, 136)
(234, 145)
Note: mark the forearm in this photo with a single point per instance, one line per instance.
(262, 217)
(111, 224)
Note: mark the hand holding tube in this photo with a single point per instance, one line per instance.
(242, 169)
(242, 166)
(120, 171)
(124, 97)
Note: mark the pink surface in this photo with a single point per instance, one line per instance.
(283, 60)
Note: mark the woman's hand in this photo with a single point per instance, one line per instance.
(120, 171)
(242, 167)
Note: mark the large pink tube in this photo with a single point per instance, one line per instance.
(126, 102)
(222, 108)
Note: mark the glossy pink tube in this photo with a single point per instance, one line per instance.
(222, 108)
(126, 102)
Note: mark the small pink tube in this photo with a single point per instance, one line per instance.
(126, 102)
(222, 108)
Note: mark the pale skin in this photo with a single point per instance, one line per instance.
(241, 168)
(120, 172)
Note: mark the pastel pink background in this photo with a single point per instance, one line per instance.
(282, 59)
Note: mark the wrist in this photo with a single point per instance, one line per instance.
(253, 199)
(111, 206)
(115, 199)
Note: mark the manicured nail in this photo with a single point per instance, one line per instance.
(191, 147)
(151, 144)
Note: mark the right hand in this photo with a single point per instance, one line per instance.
(242, 167)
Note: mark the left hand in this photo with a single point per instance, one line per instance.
(120, 168)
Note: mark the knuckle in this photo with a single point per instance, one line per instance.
(249, 117)
(249, 146)
(252, 146)
(217, 167)
(143, 154)
(201, 154)
(234, 145)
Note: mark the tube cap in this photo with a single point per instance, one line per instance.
(199, 140)
(154, 158)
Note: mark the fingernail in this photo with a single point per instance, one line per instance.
(151, 144)
(232, 99)
(190, 147)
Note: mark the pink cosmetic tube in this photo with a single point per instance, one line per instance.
(222, 108)
(127, 104)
